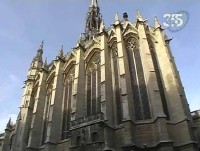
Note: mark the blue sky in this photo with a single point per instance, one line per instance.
(25, 23)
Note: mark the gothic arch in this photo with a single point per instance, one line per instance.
(67, 69)
(129, 29)
(139, 90)
(111, 35)
(50, 79)
(158, 75)
(48, 107)
(67, 66)
(115, 81)
(91, 48)
(132, 35)
(93, 83)
(69, 75)
(112, 42)
(90, 57)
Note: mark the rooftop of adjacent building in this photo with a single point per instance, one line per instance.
(195, 114)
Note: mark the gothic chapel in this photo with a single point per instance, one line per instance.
(117, 90)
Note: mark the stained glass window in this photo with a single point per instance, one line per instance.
(138, 84)
(116, 89)
(158, 76)
(68, 93)
(93, 77)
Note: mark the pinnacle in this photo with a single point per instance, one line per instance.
(102, 26)
(157, 24)
(44, 65)
(94, 3)
(42, 44)
(93, 20)
(60, 54)
(116, 18)
(9, 123)
(139, 16)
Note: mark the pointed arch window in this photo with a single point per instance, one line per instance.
(93, 79)
(47, 112)
(158, 76)
(116, 85)
(138, 84)
(68, 94)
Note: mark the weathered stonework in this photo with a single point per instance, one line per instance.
(117, 90)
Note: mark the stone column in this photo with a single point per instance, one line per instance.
(106, 91)
(124, 76)
(79, 85)
(26, 115)
(35, 137)
(54, 128)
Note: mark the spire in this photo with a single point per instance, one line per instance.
(42, 44)
(157, 24)
(102, 26)
(93, 20)
(38, 56)
(37, 60)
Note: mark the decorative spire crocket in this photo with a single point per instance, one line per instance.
(37, 60)
(38, 56)
(93, 20)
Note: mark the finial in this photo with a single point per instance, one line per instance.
(116, 18)
(139, 16)
(19, 116)
(79, 40)
(42, 44)
(94, 3)
(157, 24)
(45, 62)
(9, 123)
(102, 26)
(60, 54)
(44, 65)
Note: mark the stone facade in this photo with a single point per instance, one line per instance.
(1, 141)
(118, 89)
(196, 125)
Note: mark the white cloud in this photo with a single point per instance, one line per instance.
(4, 121)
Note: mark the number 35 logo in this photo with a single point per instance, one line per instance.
(175, 21)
